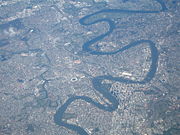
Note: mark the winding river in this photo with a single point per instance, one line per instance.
(97, 81)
